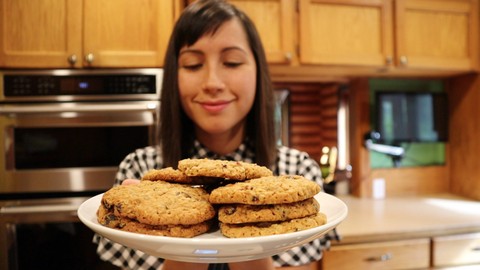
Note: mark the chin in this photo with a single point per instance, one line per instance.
(217, 129)
(224, 126)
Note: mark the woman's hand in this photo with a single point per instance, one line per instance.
(127, 182)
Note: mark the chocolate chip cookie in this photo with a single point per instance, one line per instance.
(231, 170)
(159, 203)
(245, 213)
(107, 218)
(170, 174)
(266, 190)
(272, 228)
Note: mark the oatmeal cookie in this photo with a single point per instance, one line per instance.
(245, 213)
(170, 174)
(107, 218)
(272, 228)
(232, 170)
(159, 203)
(266, 190)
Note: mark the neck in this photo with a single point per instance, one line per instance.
(222, 143)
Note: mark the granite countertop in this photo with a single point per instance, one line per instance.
(407, 217)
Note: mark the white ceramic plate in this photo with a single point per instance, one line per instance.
(214, 247)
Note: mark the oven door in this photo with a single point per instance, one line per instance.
(46, 234)
(70, 147)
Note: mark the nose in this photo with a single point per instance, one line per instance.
(213, 80)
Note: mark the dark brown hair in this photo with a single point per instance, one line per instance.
(176, 129)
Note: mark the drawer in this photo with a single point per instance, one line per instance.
(456, 249)
(404, 254)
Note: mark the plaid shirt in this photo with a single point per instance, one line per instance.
(289, 161)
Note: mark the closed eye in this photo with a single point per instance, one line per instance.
(192, 67)
(232, 64)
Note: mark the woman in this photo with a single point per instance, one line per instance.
(217, 102)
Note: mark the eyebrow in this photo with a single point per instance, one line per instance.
(223, 50)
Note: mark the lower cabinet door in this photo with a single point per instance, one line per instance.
(455, 250)
(403, 254)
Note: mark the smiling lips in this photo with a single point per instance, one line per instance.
(214, 107)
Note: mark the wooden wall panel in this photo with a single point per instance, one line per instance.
(464, 97)
(313, 116)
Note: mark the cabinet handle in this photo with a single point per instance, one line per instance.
(389, 60)
(72, 59)
(403, 60)
(89, 58)
(476, 248)
(288, 57)
(381, 258)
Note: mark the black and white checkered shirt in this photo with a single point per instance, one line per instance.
(289, 161)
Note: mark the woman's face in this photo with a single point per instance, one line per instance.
(217, 80)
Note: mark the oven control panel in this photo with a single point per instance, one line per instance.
(16, 85)
(81, 84)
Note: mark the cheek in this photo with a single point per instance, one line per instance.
(250, 96)
(249, 89)
(183, 95)
(184, 87)
(183, 84)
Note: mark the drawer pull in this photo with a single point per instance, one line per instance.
(476, 248)
(381, 258)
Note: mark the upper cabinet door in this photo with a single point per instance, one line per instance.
(42, 33)
(126, 33)
(437, 33)
(84, 33)
(275, 22)
(346, 32)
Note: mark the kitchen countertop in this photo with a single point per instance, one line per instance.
(407, 217)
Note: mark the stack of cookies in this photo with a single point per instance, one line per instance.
(267, 206)
(180, 202)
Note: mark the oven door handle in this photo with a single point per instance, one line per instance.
(51, 211)
(81, 114)
(7, 109)
(37, 209)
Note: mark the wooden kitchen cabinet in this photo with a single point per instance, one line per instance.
(84, 33)
(381, 37)
(322, 31)
(346, 32)
(438, 34)
(275, 22)
(401, 254)
(366, 37)
(455, 250)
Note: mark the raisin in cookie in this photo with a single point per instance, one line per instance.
(233, 170)
(272, 228)
(266, 190)
(159, 203)
(245, 213)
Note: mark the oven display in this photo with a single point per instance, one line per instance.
(43, 85)
(81, 86)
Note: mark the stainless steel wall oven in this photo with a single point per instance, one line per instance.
(62, 135)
